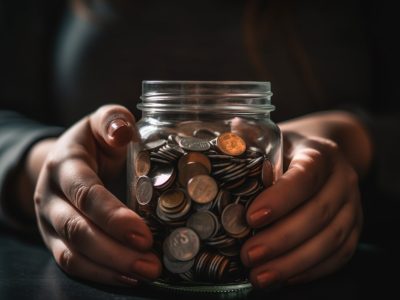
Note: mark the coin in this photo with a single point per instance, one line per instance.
(193, 144)
(162, 175)
(205, 133)
(176, 266)
(155, 144)
(233, 219)
(267, 173)
(189, 170)
(195, 157)
(144, 190)
(202, 188)
(171, 199)
(182, 244)
(231, 144)
(205, 223)
(142, 163)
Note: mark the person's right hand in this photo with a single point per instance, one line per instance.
(91, 234)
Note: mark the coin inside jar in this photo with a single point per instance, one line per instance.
(234, 221)
(202, 188)
(231, 144)
(195, 157)
(142, 163)
(182, 244)
(205, 223)
(189, 170)
(144, 190)
(172, 199)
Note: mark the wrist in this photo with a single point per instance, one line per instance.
(28, 175)
(342, 127)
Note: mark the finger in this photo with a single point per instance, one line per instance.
(332, 263)
(308, 254)
(113, 127)
(76, 265)
(307, 172)
(84, 237)
(281, 236)
(82, 187)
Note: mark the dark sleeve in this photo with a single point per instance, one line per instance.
(17, 135)
(380, 189)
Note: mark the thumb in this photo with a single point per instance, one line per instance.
(113, 126)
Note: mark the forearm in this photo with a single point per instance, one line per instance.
(18, 136)
(342, 127)
(26, 179)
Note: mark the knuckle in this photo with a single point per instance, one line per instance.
(72, 229)
(65, 260)
(80, 194)
(324, 212)
(338, 235)
(352, 177)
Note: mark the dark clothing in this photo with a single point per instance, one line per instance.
(58, 65)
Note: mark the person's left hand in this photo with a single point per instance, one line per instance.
(310, 220)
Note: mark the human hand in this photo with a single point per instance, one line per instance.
(91, 234)
(310, 220)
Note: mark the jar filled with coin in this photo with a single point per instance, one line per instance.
(207, 150)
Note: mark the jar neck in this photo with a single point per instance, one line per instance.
(206, 97)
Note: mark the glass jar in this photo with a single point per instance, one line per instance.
(207, 150)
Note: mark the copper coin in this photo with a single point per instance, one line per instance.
(267, 173)
(231, 144)
(189, 170)
(195, 157)
(233, 219)
(172, 198)
(202, 188)
(142, 163)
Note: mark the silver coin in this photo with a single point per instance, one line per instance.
(193, 144)
(161, 175)
(204, 223)
(155, 144)
(182, 244)
(205, 133)
(176, 266)
(144, 190)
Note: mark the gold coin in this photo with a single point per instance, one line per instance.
(231, 144)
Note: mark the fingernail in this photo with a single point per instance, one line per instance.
(116, 125)
(127, 280)
(265, 279)
(148, 269)
(255, 254)
(136, 240)
(259, 217)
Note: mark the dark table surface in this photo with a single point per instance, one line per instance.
(28, 271)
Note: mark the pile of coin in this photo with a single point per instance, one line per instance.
(193, 192)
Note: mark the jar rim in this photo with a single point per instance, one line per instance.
(153, 87)
(188, 95)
